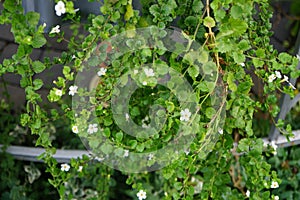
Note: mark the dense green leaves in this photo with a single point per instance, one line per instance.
(226, 46)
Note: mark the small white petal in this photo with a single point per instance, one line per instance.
(65, 167)
(58, 92)
(278, 74)
(141, 195)
(126, 153)
(102, 71)
(75, 129)
(60, 8)
(248, 193)
(272, 77)
(149, 72)
(274, 184)
(55, 29)
(80, 168)
(73, 90)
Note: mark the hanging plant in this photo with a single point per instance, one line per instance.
(164, 94)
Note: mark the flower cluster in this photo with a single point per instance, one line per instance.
(278, 75)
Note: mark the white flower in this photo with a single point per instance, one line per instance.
(220, 131)
(276, 197)
(127, 117)
(102, 71)
(65, 167)
(278, 74)
(272, 77)
(185, 115)
(186, 151)
(92, 128)
(80, 168)
(150, 156)
(144, 125)
(55, 29)
(126, 153)
(141, 195)
(135, 71)
(248, 193)
(274, 184)
(76, 10)
(144, 83)
(75, 129)
(242, 64)
(44, 24)
(149, 72)
(274, 145)
(286, 79)
(60, 8)
(99, 159)
(292, 86)
(73, 90)
(73, 56)
(58, 92)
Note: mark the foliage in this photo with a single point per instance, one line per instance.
(235, 43)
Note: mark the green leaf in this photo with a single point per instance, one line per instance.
(106, 148)
(203, 57)
(170, 106)
(209, 22)
(236, 12)
(209, 67)
(140, 147)
(38, 41)
(239, 57)
(178, 185)
(210, 112)
(119, 136)
(193, 71)
(115, 16)
(257, 63)
(129, 12)
(38, 66)
(244, 45)
(260, 53)
(132, 143)
(230, 80)
(106, 132)
(197, 6)
(191, 21)
(107, 121)
(37, 83)
(32, 19)
(243, 145)
(285, 57)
